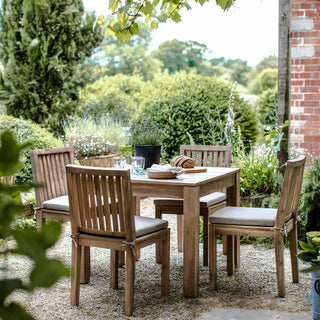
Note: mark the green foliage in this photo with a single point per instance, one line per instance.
(259, 168)
(146, 133)
(193, 105)
(43, 47)
(23, 223)
(309, 208)
(268, 78)
(26, 130)
(239, 70)
(118, 96)
(153, 12)
(311, 250)
(128, 58)
(258, 173)
(92, 137)
(178, 55)
(268, 106)
(253, 77)
(30, 243)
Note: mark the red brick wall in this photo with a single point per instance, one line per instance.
(305, 76)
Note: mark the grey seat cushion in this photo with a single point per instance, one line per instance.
(205, 202)
(146, 225)
(58, 203)
(244, 216)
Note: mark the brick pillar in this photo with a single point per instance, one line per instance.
(305, 76)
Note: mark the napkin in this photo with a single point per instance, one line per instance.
(165, 168)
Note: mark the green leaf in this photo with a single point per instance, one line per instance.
(122, 18)
(224, 4)
(10, 151)
(7, 286)
(29, 244)
(313, 268)
(148, 8)
(124, 36)
(154, 24)
(175, 16)
(163, 17)
(14, 312)
(134, 29)
(113, 5)
(307, 247)
(50, 233)
(47, 272)
(306, 256)
(155, 2)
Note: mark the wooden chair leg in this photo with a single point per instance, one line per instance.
(213, 257)
(230, 255)
(114, 269)
(121, 259)
(293, 244)
(224, 244)
(205, 238)
(278, 247)
(158, 215)
(76, 270)
(165, 268)
(180, 232)
(129, 283)
(40, 219)
(237, 251)
(85, 265)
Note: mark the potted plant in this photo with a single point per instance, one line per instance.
(147, 138)
(311, 254)
(95, 143)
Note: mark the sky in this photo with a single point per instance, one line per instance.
(248, 31)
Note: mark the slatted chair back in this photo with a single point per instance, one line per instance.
(48, 168)
(208, 156)
(100, 201)
(290, 193)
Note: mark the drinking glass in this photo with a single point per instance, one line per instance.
(119, 162)
(137, 165)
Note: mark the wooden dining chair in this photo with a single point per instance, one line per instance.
(48, 169)
(102, 215)
(263, 222)
(205, 156)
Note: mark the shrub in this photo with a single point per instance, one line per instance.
(268, 107)
(90, 137)
(26, 130)
(268, 78)
(117, 95)
(258, 173)
(191, 107)
(309, 208)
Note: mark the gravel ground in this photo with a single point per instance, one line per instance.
(252, 287)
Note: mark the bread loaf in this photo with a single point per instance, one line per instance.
(183, 161)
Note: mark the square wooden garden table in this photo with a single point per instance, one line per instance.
(190, 187)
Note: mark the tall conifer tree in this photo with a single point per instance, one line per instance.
(43, 46)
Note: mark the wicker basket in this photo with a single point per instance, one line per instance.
(98, 161)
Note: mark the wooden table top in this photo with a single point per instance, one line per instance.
(189, 179)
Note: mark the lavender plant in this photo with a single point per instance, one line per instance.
(147, 133)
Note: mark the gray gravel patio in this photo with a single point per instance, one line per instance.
(253, 286)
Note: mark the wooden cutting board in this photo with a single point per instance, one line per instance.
(194, 170)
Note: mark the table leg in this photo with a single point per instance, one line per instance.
(191, 241)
